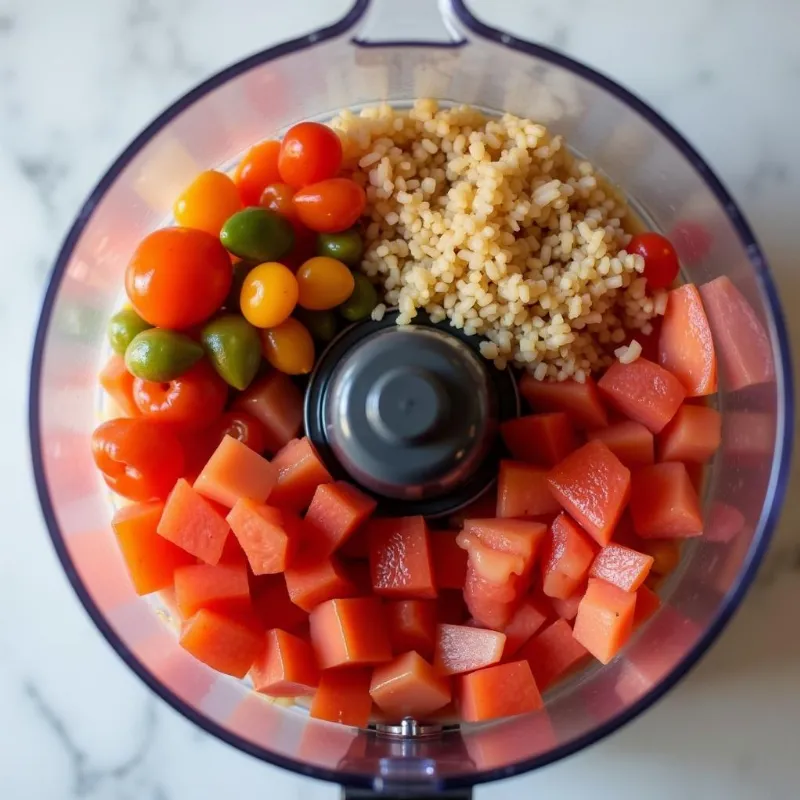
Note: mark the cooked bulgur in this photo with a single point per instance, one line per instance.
(494, 224)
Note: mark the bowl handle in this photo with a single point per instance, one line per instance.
(410, 22)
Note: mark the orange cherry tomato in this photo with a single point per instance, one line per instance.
(277, 197)
(192, 401)
(330, 206)
(310, 152)
(178, 277)
(242, 426)
(257, 169)
(138, 458)
(208, 201)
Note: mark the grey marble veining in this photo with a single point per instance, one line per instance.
(77, 81)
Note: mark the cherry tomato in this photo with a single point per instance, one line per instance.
(269, 294)
(257, 169)
(330, 206)
(242, 426)
(192, 401)
(310, 152)
(178, 277)
(139, 459)
(660, 259)
(277, 197)
(323, 283)
(208, 201)
(289, 347)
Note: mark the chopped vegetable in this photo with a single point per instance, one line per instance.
(409, 687)
(272, 605)
(499, 547)
(664, 504)
(300, 472)
(412, 626)
(622, 566)
(449, 560)
(522, 491)
(336, 511)
(224, 643)
(343, 696)
(605, 619)
(207, 202)
(400, 558)
(567, 609)
(493, 604)
(631, 442)
(310, 584)
(542, 439)
(580, 401)
(269, 536)
(461, 648)
(350, 632)
(289, 347)
(528, 618)
(594, 487)
(500, 691)
(223, 588)
(553, 653)
(694, 434)
(286, 667)
(566, 558)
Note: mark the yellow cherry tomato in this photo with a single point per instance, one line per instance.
(289, 347)
(209, 200)
(324, 283)
(269, 294)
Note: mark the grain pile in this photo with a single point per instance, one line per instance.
(493, 224)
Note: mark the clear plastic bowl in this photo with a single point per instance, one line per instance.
(314, 77)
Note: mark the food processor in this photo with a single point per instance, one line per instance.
(351, 64)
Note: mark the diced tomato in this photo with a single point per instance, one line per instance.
(629, 441)
(482, 507)
(666, 553)
(694, 434)
(350, 632)
(621, 566)
(664, 504)
(300, 472)
(643, 391)
(400, 558)
(409, 687)
(647, 603)
(503, 690)
(272, 605)
(223, 588)
(277, 404)
(151, 560)
(412, 626)
(268, 535)
(593, 486)
(741, 341)
(226, 644)
(449, 560)
(605, 619)
(568, 553)
(235, 471)
(580, 401)
(117, 382)
(686, 347)
(286, 667)
(552, 653)
(542, 439)
(343, 696)
(336, 511)
(522, 491)
(310, 584)
(567, 609)
(528, 618)
(193, 523)
(450, 607)
(463, 648)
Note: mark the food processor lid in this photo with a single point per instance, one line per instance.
(410, 413)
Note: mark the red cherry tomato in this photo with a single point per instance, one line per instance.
(310, 152)
(277, 197)
(139, 459)
(257, 169)
(178, 277)
(242, 426)
(660, 259)
(330, 206)
(192, 401)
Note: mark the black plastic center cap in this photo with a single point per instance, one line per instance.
(407, 405)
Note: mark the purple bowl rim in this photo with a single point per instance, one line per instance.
(776, 489)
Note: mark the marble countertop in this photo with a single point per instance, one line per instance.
(77, 81)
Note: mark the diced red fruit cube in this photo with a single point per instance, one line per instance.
(336, 511)
(409, 687)
(605, 619)
(542, 439)
(271, 604)
(450, 606)
(631, 442)
(412, 626)
(463, 648)
(286, 667)
(580, 401)
(568, 609)
(269, 536)
(522, 491)
(499, 548)
(503, 690)
(647, 603)
(528, 618)
(343, 696)
(664, 504)
(493, 604)
(593, 486)
(449, 560)
(643, 391)
(566, 557)
(224, 588)
(693, 435)
(300, 472)
(552, 653)
(310, 584)
(400, 558)
(225, 643)
(622, 566)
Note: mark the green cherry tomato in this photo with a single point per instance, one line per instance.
(234, 349)
(322, 325)
(160, 355)
(361, 302)
(345, 246)
(122, 328)
(257, 235)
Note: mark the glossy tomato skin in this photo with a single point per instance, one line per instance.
(190, 402)
(310, 152)
(178, 277)
(257, 169)
(138, 458)
(242, 426)
(330, 206)
(660, 259)
(277, 197)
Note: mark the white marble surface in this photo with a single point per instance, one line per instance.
(77, 81)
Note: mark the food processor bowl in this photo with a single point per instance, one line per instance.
(349, 65)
